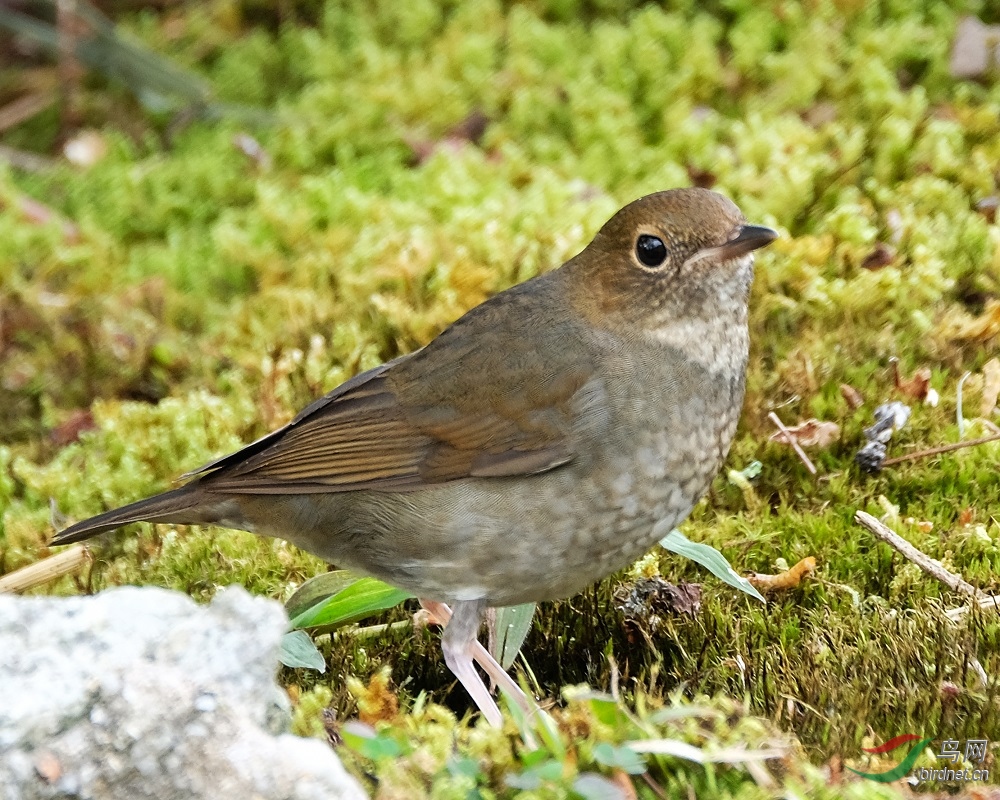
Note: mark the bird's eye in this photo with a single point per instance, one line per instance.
(650, 250)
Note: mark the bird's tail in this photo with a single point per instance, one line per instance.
(182, 506)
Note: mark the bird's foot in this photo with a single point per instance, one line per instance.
(461, 647)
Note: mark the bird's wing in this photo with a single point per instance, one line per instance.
(458, 408)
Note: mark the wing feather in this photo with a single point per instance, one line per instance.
(455, 409)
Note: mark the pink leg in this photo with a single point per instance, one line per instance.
(460, 647)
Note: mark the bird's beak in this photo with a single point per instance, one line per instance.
(748, 238)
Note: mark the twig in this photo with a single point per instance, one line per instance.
(46, 570)
(984, 601)
(371, 631)
(790, 438)
(925, 562)
(25, 161)
(945, 448)
(24, 108)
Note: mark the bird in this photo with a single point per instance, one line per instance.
(538, 444)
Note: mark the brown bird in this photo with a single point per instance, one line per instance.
(528, 450)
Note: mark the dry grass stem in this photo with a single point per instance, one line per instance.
(48, 569)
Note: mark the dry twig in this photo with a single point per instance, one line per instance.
(945, 448)
(24, 108)
(929, 565)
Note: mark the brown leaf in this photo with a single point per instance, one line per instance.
(915, 387)
(991, 388)
(69, 429)
(836, 767)
(882, 255)
(788, 579)
(810, 433)
(702, 178)
(949, 691)
(470, 129)
(988, 207)
(852, 396)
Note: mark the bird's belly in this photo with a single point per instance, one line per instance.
(512, 541)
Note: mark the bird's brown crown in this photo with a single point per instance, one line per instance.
(685, 220)
(670, 254)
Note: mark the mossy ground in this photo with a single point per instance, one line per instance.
(209, 296)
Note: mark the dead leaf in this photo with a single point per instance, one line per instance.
(69, 429)
(988, 207)
(702, 178)
(966, 516)
(979, 329)
(470, 129)
(915, 387)
(836, 767)
(949, 690)
(974, 50)
(882, 255)
(991, 388)
(651, 596)
(810, 433)
(852, 396)
(788, 579)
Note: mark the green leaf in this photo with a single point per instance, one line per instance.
(359, 599)
(623, 758)
(298, 650)
(317, 589)
(513, 624)
(710, 558)
(375, 746)
(591, 786)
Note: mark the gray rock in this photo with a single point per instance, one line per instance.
(140, 693)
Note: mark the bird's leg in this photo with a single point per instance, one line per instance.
(461, 628)
(457, 644)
